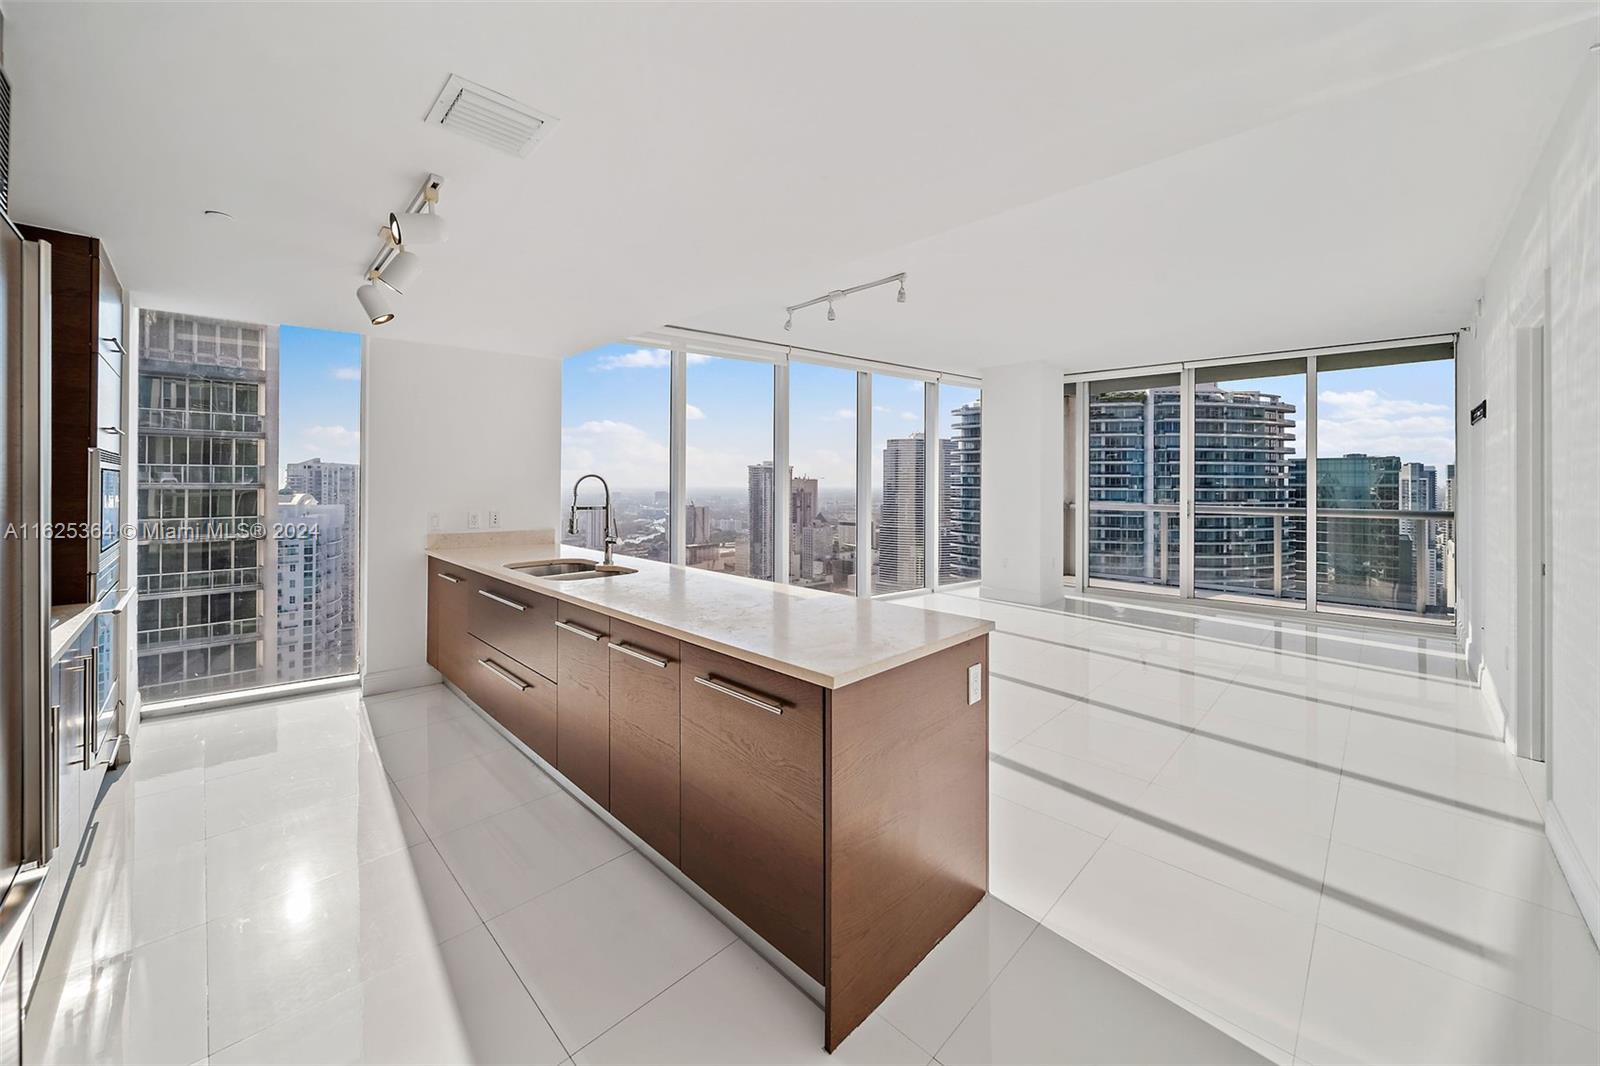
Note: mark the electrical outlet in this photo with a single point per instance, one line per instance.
(474, 520)
(494, 518)
(974, 683)
(433, 521)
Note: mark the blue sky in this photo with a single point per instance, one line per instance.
(1406, 410)
(319, 395)
(614, 416)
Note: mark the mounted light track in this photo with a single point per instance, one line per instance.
(395, 265)
(830, 298)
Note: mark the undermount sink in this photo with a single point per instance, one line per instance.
(568, 569)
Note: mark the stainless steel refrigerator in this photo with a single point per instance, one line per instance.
(24, 607)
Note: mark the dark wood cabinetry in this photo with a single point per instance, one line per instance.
(522, 700)
(726, 770)
(644, 735)
(87, 367)
(515, 621)
(448, 589)
(752, 798)
(583, 692)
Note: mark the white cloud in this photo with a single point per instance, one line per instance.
(843, 414)
(638, 359)
(907, 416)
(347, 373)
(622, 453)
(336, 444)
(693, 413)
(1368, 422)
(879, 408)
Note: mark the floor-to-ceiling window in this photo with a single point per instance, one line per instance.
(960, 483)
(615, 422)
(249, 498)
(1249, 521)
(766, 463)
(899, 477)
(1135, 461)
(1386, 442)
(730, 481)
(822, 489)
(1375, 434)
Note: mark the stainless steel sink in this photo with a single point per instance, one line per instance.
(568, 569)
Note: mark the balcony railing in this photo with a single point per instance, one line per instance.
(199, 474)
(237, 577)
(199, 421)
(201, 633)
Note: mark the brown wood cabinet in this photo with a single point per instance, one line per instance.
(514, 621)
(87, 367)
(522, 700)
(644, 734)
(752, 799)
(583, 690)
(448, 589)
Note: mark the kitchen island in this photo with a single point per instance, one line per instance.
(816, 765)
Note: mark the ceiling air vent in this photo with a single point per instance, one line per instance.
(490, 117)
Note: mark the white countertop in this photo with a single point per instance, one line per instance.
(821, 637)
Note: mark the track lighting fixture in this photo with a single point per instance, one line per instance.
(839, 294)
(375, 303)
(395, 265)
(415, 227)
(401, 271)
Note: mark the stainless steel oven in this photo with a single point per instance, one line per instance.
(105, 472)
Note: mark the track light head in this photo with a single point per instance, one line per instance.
(831, 315)
(788, 323)
(375, 304)
(415, 228)
(401, 271)
(901, 297)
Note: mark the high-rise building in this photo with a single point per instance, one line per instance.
(960, 481)
(208, 454)
(697, 523)
(314, 637)
(762, 561)
(1242, 442)
(898, 558)
(338, 485)
(1362, 561)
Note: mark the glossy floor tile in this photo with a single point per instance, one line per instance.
(1212, 839)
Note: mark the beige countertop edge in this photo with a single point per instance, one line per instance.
(67, 622)
(978, 626)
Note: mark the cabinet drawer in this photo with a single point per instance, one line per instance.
(752, 798)
(448, 589)
(520, 699)
(644, 734)
(514, 621)
(583, 678)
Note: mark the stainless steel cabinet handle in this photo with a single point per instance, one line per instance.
(513, 604)
(658, 663)
(579, 631)
(111, 429)
(503, 675)
(453, 579)
(727, 689)
(115, 344)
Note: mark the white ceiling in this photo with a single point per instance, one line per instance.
(1096, 185)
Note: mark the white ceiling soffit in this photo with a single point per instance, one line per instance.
(1126, 178)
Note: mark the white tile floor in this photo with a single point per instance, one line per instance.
(1212, 840)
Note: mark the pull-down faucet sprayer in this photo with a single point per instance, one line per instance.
(609, 519)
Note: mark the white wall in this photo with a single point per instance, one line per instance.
(444, 430)
(1023, 471)
(1555, 228)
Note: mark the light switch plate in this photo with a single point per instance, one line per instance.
(433, 521)
(474, 520)
(974, 683)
